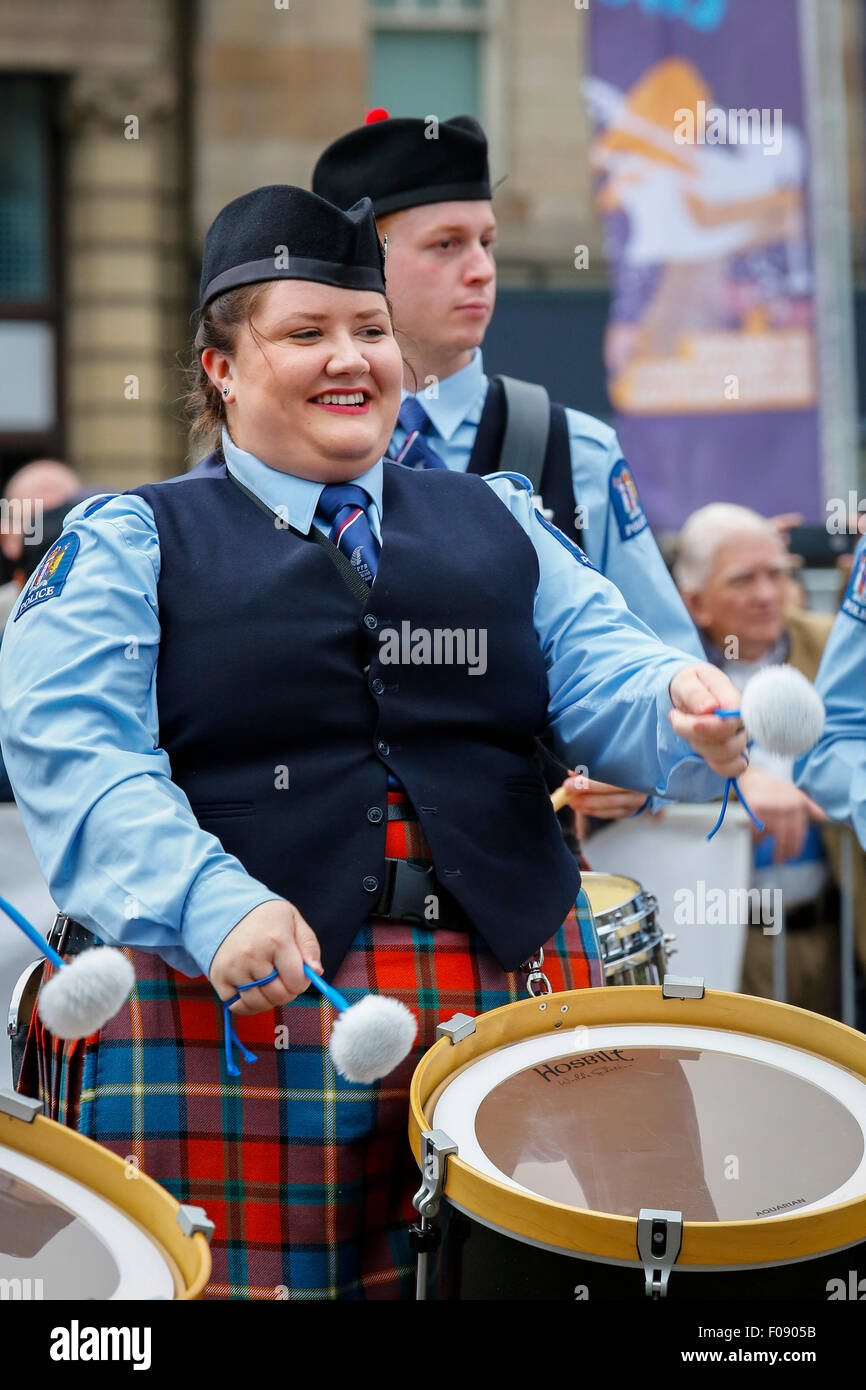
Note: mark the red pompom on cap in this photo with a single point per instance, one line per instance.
(378, 113)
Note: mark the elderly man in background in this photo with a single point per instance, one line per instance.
(734, 572)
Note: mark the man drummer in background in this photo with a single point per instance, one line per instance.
(429, 183)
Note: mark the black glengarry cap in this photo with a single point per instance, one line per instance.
(280, 232)
(403, 161)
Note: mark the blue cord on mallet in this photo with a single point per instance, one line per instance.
(783, 713)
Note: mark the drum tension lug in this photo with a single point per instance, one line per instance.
(194, 1221)
(458, 1027)
(683, 987)
(436, 1147)
(659, 1241)
(19, 1107)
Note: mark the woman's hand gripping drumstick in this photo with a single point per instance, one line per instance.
(696, 693)
(273, 936)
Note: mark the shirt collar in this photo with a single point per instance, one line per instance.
(457, 394)
(293, 499)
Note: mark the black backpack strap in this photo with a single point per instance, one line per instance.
(557, 482)
(527, 425)
(490, 431)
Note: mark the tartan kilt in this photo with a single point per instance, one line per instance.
(308, 1178)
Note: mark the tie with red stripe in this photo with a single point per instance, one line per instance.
(344, 507)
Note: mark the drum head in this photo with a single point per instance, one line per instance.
(717, 1127)
(572, 1113)
(608, 892)
(59, 1240)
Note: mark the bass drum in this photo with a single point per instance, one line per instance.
(627, 921)
(607, 1143)
(76, 1222)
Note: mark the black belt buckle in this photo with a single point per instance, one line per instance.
(68, 937)
(59, 932)
(407, 887)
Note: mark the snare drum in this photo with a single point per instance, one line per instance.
(76, 1222)
(631, 939)
(605, 1143)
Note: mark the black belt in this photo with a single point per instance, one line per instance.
(68, 937)
(410, 893)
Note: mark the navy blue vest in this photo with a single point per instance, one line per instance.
(266, 680)
(557, 484)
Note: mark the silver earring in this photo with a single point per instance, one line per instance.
(225, 390)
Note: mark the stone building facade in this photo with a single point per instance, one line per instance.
(120, 236)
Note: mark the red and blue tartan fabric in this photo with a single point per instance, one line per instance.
(307, 1177)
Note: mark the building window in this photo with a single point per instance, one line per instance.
(435, 57)
(30, 256)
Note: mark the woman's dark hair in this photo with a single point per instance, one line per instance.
(218, 327)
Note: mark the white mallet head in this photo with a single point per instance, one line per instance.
(80, 999)
(782, 711)
(372, 1037)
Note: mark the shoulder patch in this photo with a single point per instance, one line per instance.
(628, 508)
(854, 602)
(48, 579)
(572, 546)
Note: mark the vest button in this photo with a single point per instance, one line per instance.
(371, 621)
(378, 686)
(383, 747)
(375, 814)
(371, 884)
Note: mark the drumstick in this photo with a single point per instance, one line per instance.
(82, 996)
(784, 713)
(368, 1040)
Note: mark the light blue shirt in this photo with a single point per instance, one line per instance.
(116, 838)
(632, 562)
(834, 773)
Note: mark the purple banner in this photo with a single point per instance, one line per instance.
(701, 157)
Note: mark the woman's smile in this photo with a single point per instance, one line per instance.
(343, 402)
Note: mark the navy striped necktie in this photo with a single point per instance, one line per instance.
(416, 452)
(344, 507)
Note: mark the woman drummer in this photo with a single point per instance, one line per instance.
(282, 710)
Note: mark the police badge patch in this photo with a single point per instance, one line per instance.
(854, 602)
(628, 508)
(51, 574)
(579, 554)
